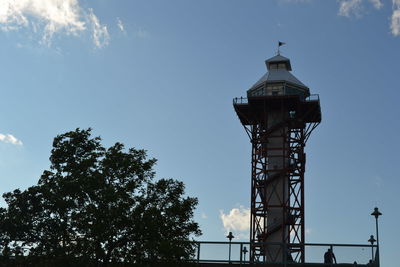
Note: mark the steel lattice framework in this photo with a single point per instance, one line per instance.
(278, 128)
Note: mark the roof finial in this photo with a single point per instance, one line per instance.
(279, 45)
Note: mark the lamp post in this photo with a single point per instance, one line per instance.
(376, 213)
(372, 241)
(230, 237)
(244, 252)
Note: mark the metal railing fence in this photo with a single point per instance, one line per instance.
(239, 253)
(219, 252)
(244, 100)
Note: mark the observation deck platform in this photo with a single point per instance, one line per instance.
(250, 110)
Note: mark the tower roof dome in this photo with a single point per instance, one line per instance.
(279, 68)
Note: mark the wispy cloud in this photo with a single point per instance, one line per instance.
(348, 8)
(395, 20)
(49, 17)
(378, 181)
(10, 139)
(100, 32)
(294, 1)
(377, 3)
(120, 25)
(142, 33)
(355, 7)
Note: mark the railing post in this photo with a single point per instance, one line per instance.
(230, 246)
(250, 252)
(241, 253)
(332, 255)
(198, 252)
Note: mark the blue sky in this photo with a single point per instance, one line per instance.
(161, 75)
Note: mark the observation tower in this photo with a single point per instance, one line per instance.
(278, 115)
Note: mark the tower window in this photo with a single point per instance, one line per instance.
(273, 66)
(275, 89)
(281, 66)
(258, 92)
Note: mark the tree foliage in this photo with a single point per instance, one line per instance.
(99, 204)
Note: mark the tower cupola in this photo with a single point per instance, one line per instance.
(278, 62)
(278, 81)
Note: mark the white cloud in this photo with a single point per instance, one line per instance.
(51, 17)
(10, 139)
(395, 20)
(349, 7)
(237, 219)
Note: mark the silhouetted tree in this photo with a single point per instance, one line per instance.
(101, 205)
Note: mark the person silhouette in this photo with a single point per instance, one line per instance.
(329, 256)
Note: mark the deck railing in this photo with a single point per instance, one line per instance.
(219, 252)
(240, 101)
(239, 253)
(244, 100)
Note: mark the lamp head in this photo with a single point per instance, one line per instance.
(230, 236)
(376, 213)
(371, 240)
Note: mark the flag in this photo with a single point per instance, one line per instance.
(281, 43)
